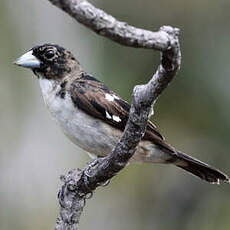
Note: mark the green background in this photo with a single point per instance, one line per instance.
(193, 114)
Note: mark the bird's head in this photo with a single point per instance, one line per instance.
(49, 61)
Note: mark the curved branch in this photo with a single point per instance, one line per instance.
(78, 184)
(106, 25)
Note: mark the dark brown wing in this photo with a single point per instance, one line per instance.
(94, 98)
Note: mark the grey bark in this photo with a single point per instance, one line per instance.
(78, 185)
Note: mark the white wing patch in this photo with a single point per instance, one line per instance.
(107, 115)
(111, 97)
(116, 118)
(113, 117)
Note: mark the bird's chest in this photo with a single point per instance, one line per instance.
(91, 134)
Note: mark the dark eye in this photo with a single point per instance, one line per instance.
(49, 54)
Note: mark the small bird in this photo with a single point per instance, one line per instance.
(94, 117)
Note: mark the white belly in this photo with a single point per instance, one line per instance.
(92, 135)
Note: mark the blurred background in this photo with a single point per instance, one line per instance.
(193, 114)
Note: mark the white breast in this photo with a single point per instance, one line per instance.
(91, 134)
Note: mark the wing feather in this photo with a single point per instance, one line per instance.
(89, 95)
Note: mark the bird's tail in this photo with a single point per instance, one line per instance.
(200, 169)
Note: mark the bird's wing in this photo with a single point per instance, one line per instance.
(95, 99)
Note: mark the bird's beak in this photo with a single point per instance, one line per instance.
(28, 60)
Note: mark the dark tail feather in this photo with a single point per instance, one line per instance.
(200, 169)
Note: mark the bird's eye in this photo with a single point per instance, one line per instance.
(49, 54)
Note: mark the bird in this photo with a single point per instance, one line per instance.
(94, 117)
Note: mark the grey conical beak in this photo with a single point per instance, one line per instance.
(28, 60)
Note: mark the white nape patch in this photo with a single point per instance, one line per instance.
(107, 115)
(116, 118)
(109, 97)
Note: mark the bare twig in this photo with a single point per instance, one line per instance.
(78, 184)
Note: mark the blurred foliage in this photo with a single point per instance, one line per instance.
(193, 113)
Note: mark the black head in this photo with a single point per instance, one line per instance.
(49, 61)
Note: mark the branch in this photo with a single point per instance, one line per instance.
(79, 184)
(106, 25)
